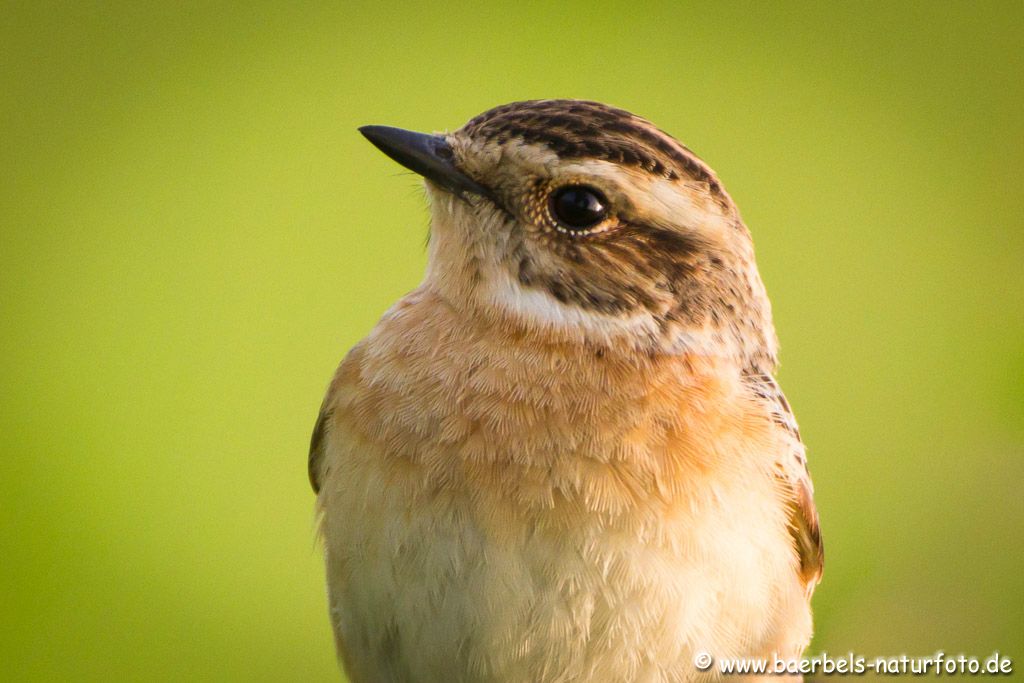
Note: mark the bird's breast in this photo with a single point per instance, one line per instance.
(500, 507)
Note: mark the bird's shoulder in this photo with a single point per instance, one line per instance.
(410, 329)
(347, 373)
(790, 466)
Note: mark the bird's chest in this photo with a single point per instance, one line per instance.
(540, 520)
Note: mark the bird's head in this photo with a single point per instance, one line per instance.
(584, 221)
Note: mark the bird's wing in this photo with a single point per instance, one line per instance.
(347, 371)
(804, 527)
(791, 468)
(316, 446)
(346, 374)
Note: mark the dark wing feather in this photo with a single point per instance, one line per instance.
(316, 447)
(791, 468)
(347, 372)
(805, 531)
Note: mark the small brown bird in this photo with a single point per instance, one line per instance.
(564, 456)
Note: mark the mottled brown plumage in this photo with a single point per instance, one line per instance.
(565, 455)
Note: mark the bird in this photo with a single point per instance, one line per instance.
(565, 456)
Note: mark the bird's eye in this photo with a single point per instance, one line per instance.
(578, 207)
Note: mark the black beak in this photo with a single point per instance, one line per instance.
(428, 155)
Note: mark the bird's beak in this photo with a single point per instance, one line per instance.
(428, 155)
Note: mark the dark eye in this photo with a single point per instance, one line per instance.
(578, 207)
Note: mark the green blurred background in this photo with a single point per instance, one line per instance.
(193, 234)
